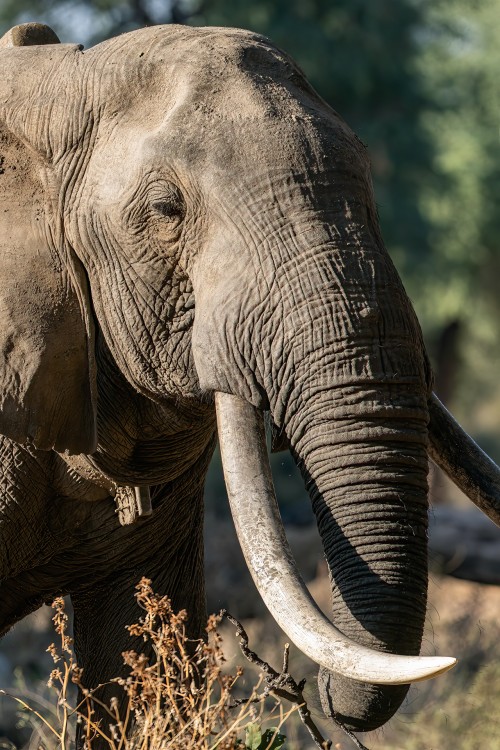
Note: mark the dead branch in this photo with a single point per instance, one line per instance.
(283, 685)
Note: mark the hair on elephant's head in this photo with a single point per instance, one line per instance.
(187, 196)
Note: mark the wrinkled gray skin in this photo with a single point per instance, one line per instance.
(181, 214)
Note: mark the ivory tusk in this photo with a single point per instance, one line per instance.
(469, 467)
(270, 561)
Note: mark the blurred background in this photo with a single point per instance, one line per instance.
(418, 81)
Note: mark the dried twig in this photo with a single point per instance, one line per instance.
(283, 685)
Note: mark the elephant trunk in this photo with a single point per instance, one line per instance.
(330, 345)
(367, 479)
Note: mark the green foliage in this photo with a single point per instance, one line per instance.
(256, 739)
(458, 63)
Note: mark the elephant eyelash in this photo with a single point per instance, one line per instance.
(169, 208)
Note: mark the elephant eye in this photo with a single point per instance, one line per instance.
(171, 206)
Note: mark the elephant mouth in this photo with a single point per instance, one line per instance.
(270, 561)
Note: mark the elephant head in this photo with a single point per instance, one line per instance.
(186, 194)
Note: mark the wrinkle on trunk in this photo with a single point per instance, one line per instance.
(368, 486)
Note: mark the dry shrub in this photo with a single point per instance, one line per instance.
(178, 698)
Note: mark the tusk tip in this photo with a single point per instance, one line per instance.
(394, 669)
(401, 670)
(434, 666)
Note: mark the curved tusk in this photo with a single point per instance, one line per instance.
(462, 459)
(269, 558)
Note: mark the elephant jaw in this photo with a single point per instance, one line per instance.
(269, 558)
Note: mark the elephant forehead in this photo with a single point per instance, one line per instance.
(254, 82)
(219, 52)
(222, 96)
(226, 73)
(235, 139)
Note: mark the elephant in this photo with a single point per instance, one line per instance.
(189, 242)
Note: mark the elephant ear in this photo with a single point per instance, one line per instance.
(29, 34)
(47, 370)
